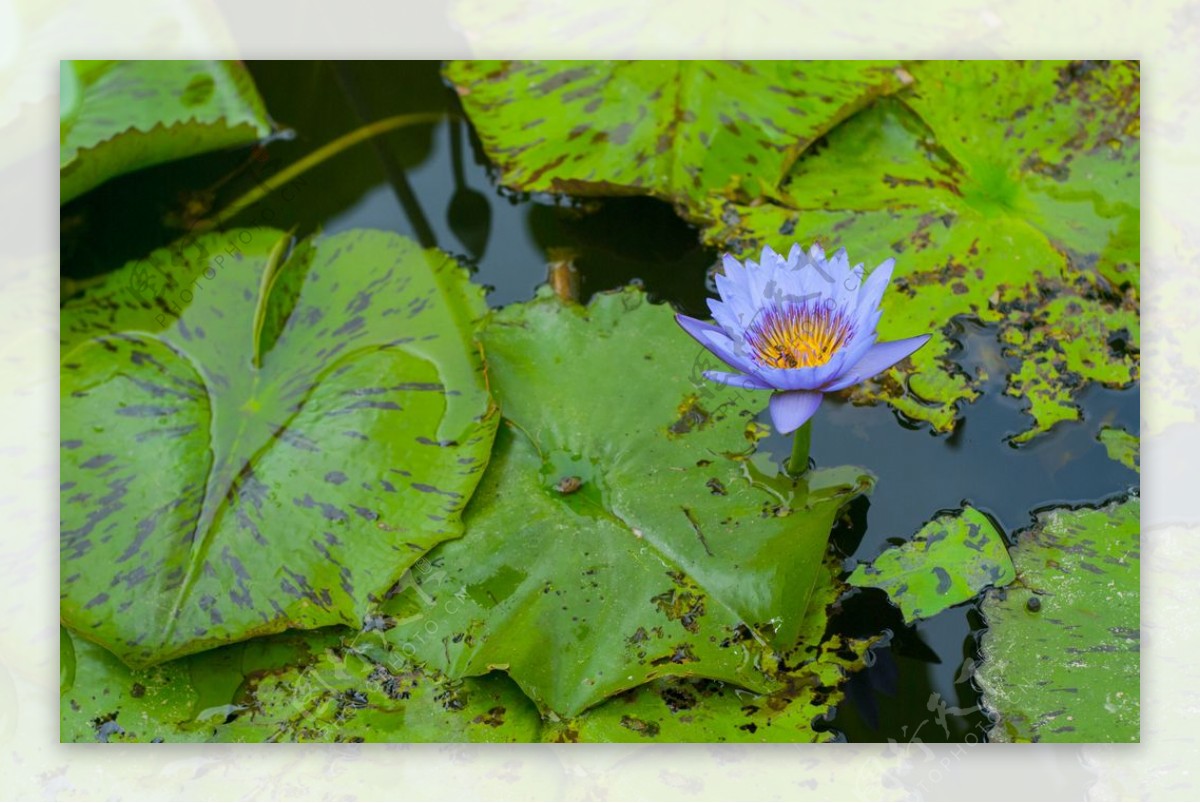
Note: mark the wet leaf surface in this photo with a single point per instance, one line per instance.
(677, 130)
(66, 661)
(258, 435)
(310, 687)
(948, 562)
(1061, 656)
(120, 116)
(702, 710)
(623, 533)
(1121, 446)
(1008, 193)
(345, 696)
(111, 703)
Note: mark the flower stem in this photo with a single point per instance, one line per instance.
(317, 157)
(798, 464)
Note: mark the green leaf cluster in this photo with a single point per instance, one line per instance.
(625, 532)
(119, 116)
(314, 490)
(1007, 192)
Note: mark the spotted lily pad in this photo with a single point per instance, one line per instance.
(1061, 655)
(1064, 344)
(702, 710)
(346, 697)
(621, 534)
(111, 703)
(677, 130)
(185, 700)
(995, 186)
(119, 116)
(306, 687)
(1121, 446)
(260, 435)
(948, 562)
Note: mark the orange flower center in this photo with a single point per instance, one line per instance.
(798, 336)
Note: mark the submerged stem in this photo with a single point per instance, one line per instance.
(798, 464)
(317, 157)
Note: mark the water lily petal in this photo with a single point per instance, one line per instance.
(811, 378)
(841, 283)
(763, 283)
(769, 257)
(864, 321)
(795, 255)
(872, 289)
(734, 291)
(852, 286)
(790, 409)
(727, 350)
(695, 328)
(737, 380)
(731, 264)
(855, 350)
(716, 341)
(801, 282)
(734, 274)
(879, 357)
(723, 313)
(819, 284)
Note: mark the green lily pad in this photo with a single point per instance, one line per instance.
(259, 435)
(1065, 344)
(294, 687)
(995, 185)
(677, 130)
(179, 701)
(1121, 446)
(346, 697)
(111, 703)
(1061, 658)
(119, 116)
(66, 661)
(702, 710)
(70, 93)
(622, 533)
(948, 562)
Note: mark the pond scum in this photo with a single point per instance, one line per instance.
(336, 469)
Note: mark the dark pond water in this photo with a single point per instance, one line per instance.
(432, 183)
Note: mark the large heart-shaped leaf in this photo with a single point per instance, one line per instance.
(621, 534)
(119, 116)
(677, 130)
(255, 438)
(1061, 655)
(995, 186)
(948, 562)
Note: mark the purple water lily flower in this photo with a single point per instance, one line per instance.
(802, 327)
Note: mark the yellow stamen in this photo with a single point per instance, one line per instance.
(798, 336)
